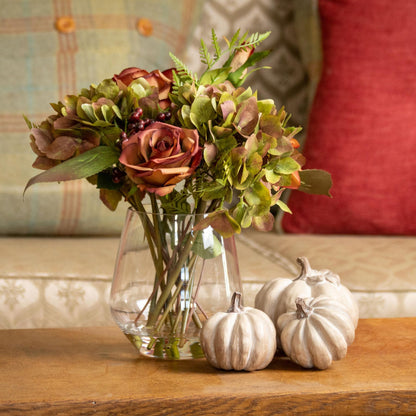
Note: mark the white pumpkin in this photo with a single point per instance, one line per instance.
(317, 333)
(242, 338)
(278, 295)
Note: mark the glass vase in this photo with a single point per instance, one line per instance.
(168, 280)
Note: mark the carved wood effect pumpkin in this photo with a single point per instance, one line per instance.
(242, 338)
(279, 295)
(317, 333)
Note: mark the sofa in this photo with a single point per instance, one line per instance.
(58, 244)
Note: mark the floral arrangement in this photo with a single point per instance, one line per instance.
(203, 144)
(191, 145)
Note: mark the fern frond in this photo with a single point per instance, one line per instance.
(233, 40)
(205, 55)
(216, 45)
(183, 73)
(254, 40)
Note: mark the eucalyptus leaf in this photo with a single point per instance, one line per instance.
(86, 164)
(315, 181)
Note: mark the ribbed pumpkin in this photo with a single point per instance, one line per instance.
(242, 338)
(279, 295)
(317, 333)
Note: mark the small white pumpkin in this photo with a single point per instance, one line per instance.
(278, 295)
(317, 333)
(242, 338)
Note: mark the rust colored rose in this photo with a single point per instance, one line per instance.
(161, 156)
(162, 80)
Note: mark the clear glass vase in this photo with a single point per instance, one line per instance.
(168, 280)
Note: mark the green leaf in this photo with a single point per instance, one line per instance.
(286, 166)
(110, 135)
(110, 198)
(28, 122)
(265, 106)
(271, 177)
(215, 76)
(89, 112)
(283, 206)
(264, 222)
(213, 190)
(108, 88)
(140, 87)
(86, 164)
(117, 111)
(202, 110)
(107, 113)
(315, 181)
(257, 195)
(206, 245)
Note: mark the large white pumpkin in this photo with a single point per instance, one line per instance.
(317, 333)
(279, 295)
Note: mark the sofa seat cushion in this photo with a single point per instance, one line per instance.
(65, 282)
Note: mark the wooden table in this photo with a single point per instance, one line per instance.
(97, 371)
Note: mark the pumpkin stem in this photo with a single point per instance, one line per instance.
(302, 309)
(306, 269)
(236, 303)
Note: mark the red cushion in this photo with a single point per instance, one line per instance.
(362, 125)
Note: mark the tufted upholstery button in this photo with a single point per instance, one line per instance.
(65, 24)
(144, 26)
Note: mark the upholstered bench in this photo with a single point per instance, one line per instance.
(64, 282)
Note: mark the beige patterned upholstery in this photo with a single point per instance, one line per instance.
(63, 282)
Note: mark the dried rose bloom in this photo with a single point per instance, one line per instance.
(161, 156)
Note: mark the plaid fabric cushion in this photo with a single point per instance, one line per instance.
(54, 48)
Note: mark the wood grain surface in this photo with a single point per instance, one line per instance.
(97, 371)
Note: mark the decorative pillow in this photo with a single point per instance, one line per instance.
(362, 125)
(54, 48)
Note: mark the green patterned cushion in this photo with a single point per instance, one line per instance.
(41, 64)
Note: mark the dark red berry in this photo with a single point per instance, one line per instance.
(161, 117)
(123, 135)
(168, 115)
(117, 175)
(138, 112)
